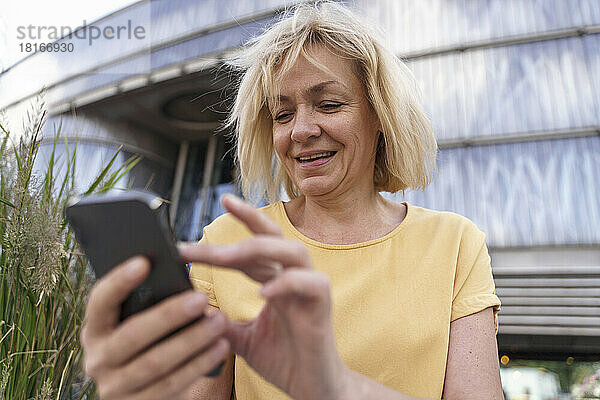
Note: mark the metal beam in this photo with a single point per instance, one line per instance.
(559, 282)
(542, 271)
(551, 301)
(519, 137)
(504, 41)
(126, 146)
(550, 310)
(199, 32)
(550, 321)
(209, 167)
(550, 292)
(548, 330)
(178, 179)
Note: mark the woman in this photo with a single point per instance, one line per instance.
(337, 293)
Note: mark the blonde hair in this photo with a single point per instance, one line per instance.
(406, 153)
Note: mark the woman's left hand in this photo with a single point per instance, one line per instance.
(291, 343)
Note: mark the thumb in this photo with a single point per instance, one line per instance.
(238, 334)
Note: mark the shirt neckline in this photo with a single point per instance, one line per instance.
(292, 229)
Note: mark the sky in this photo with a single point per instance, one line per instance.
(58, 13)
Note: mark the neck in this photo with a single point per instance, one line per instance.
(346, 218)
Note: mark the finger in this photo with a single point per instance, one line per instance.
(260, 249)
(260, 270)
(178, 381)
(147, 327)
(254, 250)
(198, 252)
(104, 305)
(240, 334)
(307, 284)
(165, 357)
(256, 221)
(261, 257)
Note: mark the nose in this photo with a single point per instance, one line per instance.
(305, 126)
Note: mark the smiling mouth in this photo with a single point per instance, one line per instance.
(318, 156)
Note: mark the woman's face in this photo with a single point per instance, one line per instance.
(325, 131)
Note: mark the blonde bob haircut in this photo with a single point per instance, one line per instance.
(407, 148)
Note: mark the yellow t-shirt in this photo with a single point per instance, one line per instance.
(393, 297)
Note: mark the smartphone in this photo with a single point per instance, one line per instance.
(112, 227)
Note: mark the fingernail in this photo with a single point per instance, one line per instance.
(182, 246)
(264, 291)
(194, 304)
(135, 268)
(223, 196)
(231, 197)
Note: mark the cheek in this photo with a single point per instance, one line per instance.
(280, 143)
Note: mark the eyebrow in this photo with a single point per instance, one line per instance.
(319, 87)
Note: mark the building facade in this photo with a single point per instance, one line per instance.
(512, 88)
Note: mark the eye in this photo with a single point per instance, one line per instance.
(330, 106)
(283, 117)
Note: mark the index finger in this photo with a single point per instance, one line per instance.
(104, 305)
(256, 221)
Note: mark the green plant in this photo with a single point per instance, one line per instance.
(44, 278)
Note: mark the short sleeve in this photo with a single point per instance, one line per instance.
(474, 288)
(202, 278)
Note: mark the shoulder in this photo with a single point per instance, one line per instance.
(441, 219)
(432, 222)
(228, 229)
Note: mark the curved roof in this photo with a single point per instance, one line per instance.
(169, 33)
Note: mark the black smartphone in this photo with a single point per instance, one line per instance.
(112, 227)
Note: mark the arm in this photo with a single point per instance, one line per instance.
(472, 370)
(216, 388)
(291, 342)
(360, 387)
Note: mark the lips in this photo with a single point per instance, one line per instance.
(315, 159)
(315, 156)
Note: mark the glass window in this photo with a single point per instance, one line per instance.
(521, 194)
(90, 160)
(549, 85)
(199, 207)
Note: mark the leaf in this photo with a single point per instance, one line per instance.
(39, 331)
(98, 180)
(124, 169)
(8, 203)
(3, 129)
(49, 179)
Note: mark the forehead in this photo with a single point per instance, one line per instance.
(321, 70)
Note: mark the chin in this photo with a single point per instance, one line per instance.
(316, 187)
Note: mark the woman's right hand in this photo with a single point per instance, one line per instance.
(124, 358)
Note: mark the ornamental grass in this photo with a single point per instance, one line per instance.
(44, 277)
